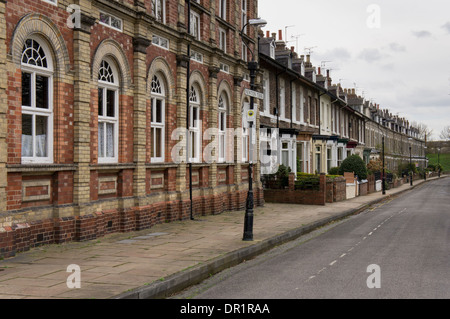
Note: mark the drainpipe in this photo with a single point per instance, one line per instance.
(188, 79)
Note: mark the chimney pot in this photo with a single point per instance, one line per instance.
(292, 49)
(274, 35)
(319, 70)
(280, 35)
(267, 34)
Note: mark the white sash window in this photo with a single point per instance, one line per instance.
(108, 113)
(158, 102)
(37, 103)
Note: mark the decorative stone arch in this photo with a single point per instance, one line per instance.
(225, 87)
(160, 66)
(198, 80)
(110, 48)
(35, 24)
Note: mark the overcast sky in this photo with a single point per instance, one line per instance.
(395, 52)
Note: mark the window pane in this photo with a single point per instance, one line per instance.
(158, 144)
(104, 18)
(221, 146)
(27, 135)
(100, 102)
(110, 103)
(192, 144)
(41, 92)
(101, 139)
(110, 140)
(41, 136)
(26, 89)
(285, 158)
(116, 23)
(159, 111)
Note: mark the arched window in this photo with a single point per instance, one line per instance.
(108, 113)
(223, 107)
(37, 102)
(158, 101)
(194, 125)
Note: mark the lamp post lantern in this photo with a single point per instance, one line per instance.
(252, 67)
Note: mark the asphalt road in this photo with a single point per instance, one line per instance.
(399, 249)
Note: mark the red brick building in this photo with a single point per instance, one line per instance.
(91, 95)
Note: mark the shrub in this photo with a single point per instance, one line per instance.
(375, 165)
(283, 174)
(355, 164)
(334, 171)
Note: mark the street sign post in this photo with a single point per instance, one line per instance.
(254, 94)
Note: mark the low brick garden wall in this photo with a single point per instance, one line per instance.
(328, 190)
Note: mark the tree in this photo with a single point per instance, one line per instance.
(424, 131)
(445, 133)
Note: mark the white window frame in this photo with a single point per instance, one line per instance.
(282, 99)
(109, 25)
(224, 67)
(33, 110)
(154, 98)
(195, 25)
(272, 49)
(53, 2)
(244, 52)
(196, 56)
(223, 40)
(105, 86)
(158, 40)
(222, 127)
(244, 8)
(194, 127)
(302, 106)
(223, 9)
(266, 88)
(294, 104)
(155, 8)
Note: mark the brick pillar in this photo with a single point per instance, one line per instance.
(323, 189)
(181, 78)
(291, 181)
(82, 112)
(141, 43)
(3, 107)
(214, 123)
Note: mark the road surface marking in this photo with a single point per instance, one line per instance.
(333, 262)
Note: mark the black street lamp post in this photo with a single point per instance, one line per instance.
(252, 67)
(383, 180)
(439, 162)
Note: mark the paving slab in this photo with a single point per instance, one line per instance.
(157, 262)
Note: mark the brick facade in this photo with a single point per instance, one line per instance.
(74, 196)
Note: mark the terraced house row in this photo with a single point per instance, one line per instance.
(117, 115)
(95, 95)
(311, 125)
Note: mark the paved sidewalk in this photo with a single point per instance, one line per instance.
(167, 257)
